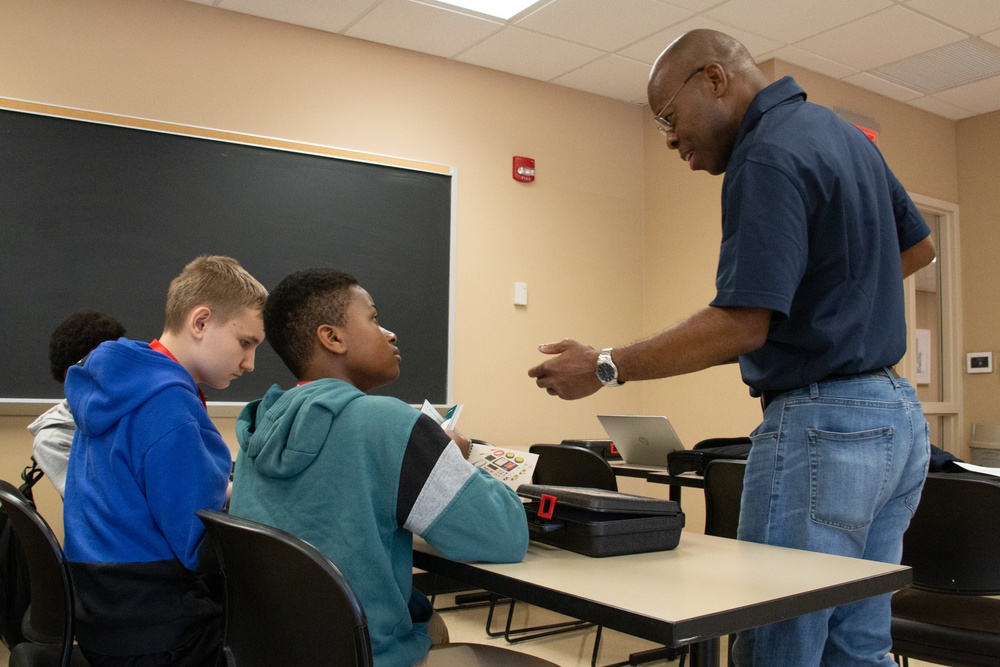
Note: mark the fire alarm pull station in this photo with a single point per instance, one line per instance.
(524, 169)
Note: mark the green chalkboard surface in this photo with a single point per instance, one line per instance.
(101, 216)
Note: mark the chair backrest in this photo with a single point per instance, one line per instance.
(50, 617)
(569, 465)
(286, 603)
(953, 542)
(723, 490)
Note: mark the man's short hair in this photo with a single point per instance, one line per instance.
(77, 336)
(215, 281)
(298, 306)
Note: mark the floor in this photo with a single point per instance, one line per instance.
(573, 649)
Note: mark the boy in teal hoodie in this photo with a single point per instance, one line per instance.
(357, 475)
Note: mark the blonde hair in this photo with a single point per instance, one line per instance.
(217, 282)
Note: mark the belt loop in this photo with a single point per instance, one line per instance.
(814, 391)
(893, 377)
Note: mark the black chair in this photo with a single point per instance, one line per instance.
(48, 623)
(723, 490)
(287, 604)
(570, 465)
(953, 546)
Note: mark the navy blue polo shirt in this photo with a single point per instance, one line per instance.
(813, 223)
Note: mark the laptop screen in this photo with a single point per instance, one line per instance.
(642, 439)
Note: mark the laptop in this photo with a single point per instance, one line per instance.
(641, 439)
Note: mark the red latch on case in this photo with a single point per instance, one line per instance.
(546, 506)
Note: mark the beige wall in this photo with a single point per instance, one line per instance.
(616, 238)
(979, 196)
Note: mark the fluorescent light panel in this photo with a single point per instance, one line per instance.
(502, 9)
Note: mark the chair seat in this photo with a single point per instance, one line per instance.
(30, 654)
(481, 655)
(963, 630)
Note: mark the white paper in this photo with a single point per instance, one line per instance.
(982, 469)
(510, 466)
(450, 418)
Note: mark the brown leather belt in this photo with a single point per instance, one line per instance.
(766, 397)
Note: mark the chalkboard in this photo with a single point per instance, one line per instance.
(101, 216)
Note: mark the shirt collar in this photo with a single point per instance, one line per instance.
(782, 91)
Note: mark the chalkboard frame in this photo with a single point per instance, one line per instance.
(12, 402)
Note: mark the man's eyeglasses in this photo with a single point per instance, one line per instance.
(666, 124)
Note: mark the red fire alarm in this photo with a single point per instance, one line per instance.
(524, 169)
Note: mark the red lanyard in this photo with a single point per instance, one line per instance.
(160, 347)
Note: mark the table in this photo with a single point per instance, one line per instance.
(677, 482)
(660, 475)
(706, 588)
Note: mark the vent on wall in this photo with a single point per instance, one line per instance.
(946, 67)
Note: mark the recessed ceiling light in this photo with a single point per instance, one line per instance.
(502, 9)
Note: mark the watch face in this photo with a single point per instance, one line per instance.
(605, 372)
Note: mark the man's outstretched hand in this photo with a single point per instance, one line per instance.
(571, 373)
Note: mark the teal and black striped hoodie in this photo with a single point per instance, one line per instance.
(357, 476)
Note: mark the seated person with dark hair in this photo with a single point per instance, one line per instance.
(358, 475)
(71, 341)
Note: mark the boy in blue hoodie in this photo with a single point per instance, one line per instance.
(146, 456)
(357, 475)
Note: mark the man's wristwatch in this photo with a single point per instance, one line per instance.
(607, 372)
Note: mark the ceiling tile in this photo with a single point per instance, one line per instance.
(318, 14)
(613, 76)
(650, 48)
(992, 37)
(424, 28)
(980, 97)
(809, 61)
(563, 40)
(973, 16)
(882, 87)
(602, 24)
(792, 20)
(940, 108)
(885, 37)
(695, 5)
(528, 54)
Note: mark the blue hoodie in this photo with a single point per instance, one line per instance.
(145, 456)
(357, 476)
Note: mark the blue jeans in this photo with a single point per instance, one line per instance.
(836, 467)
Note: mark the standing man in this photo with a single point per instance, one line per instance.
(817, 235)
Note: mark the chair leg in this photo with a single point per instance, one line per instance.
(533, 632)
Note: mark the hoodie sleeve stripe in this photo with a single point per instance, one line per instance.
(423, 449)
(447, 478)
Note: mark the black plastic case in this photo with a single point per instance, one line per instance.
(695, 459)
(601, 523)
